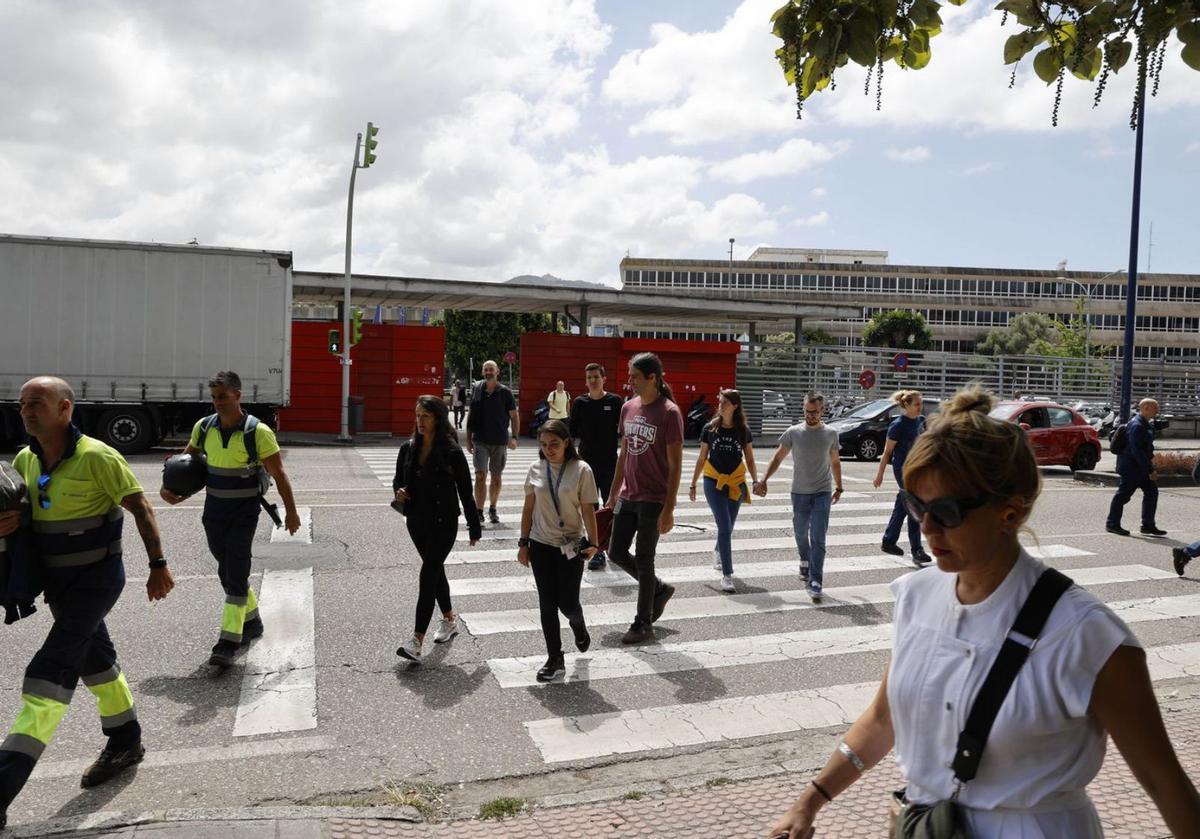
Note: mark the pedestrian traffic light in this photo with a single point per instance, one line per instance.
(355, 327)
(369, 144)
(335, 341)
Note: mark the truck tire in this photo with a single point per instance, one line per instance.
(128, 430)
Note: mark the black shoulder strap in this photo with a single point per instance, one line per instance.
(1029, 623)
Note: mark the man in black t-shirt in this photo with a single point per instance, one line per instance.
(595, 424)
(492, 427)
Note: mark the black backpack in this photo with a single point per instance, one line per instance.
(1118, 440)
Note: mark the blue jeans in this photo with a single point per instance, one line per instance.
(810, 520)
(891, 534)
(725, 511)
(1193, 550)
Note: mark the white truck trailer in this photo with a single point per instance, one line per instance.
(137, 330)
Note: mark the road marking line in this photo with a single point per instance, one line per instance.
(612, 577)
(279, 688)
(768, 649)
(203, 754)
(735, 718)
(303, 536)
(731, 605)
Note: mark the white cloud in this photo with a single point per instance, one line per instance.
(980, 168)
(815, 220)
(1193, 146)
(818, 192)
(793, 156)
(916, 154)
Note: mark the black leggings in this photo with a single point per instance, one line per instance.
(433, 545)
(557, 581)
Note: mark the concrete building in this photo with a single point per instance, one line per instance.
(960, 304)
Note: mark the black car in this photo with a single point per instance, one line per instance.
(863, 432)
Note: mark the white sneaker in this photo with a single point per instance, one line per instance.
(727, 584)
(446, 630)
(410, 649)
(716, 560)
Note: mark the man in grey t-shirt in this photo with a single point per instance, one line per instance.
(815, 467)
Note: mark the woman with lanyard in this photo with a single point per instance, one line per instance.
(726, 455)
(901, 435)
(560, 499)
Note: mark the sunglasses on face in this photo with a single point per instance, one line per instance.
(946, 512)
(43, 494)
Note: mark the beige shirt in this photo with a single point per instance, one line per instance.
(559, 404)
(578, 487)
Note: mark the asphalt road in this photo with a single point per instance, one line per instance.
(322, 705)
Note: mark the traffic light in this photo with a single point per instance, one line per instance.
(355, 327)
(335, 341)
(369, 144)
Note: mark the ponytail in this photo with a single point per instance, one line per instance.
(664, 389)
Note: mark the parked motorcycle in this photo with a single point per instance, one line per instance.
(541, 413)
(698, 415)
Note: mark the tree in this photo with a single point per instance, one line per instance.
(1021, 333)
(486, 335)
(899, 329)
(1088, 38)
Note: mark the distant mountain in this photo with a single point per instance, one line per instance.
(557, 282)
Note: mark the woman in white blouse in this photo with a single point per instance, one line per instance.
(972, 482)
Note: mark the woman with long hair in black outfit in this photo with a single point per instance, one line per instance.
(431, 482)
(560, 502)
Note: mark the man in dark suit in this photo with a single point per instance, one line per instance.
(1135, 465)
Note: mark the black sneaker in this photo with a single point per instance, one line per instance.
(224, 653)
(552, 669)
(493, 516)
(637, 633)
(1153, 531)
(111, 763)
(583, 640)
(660, 600)
(920, 558)
(892, 548)
(1117, 529)
(1180, 559)
(597, 561)
(251, 629)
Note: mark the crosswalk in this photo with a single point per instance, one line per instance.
(770, 625)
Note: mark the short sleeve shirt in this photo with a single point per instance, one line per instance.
(1044, 749)
(648, 431)
(576, 487)
(492, 425)
(726, 447)
(905, 432)
(226, 448)
(811, 448)
(91, 482)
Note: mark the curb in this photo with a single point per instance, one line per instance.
(1112, 479)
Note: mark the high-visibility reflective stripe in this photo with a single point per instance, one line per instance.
(47, 690)
(113, 698)
(251, 605)
(72, 560)
(249, 492)
(39, 717)
(23, 744)
(241, 472)
(78, 525)
(102, 677)
(117, 720)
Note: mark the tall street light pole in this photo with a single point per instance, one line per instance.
(1131, 292)
(731, 252)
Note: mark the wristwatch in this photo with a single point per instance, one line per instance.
(523, 542)
(155, 564)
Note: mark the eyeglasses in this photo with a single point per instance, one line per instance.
(43, 494)
(947, 512)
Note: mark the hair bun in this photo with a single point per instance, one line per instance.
(969, 400)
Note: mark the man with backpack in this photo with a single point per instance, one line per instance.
(1135, 465)
(241, 452)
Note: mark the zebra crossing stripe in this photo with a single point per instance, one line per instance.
(744, 526)
(731, 605)
(591, 736)
(612, 577)
(769, 649)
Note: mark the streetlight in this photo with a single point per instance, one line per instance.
(731, 253)
(1087, 303)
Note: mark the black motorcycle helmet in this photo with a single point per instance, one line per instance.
(185, 474)
(14, 496)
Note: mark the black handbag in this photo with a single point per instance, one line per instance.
(944, 820)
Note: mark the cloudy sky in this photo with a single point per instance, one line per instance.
(554, 136)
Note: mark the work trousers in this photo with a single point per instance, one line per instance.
(78, 647)
(231, 542)
(434, 543)
(1130, 483)
(640, 519)
(558, 580)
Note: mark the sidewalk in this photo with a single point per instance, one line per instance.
(718, 808)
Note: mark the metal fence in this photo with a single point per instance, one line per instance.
(773, 379)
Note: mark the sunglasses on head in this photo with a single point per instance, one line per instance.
(947, 512)
(43, 494)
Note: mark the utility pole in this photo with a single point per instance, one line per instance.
(731, 252)
(355, 165)
(1131, 292)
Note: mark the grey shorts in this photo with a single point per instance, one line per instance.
(489, 458)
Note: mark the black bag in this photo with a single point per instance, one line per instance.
(944, 820)
(1118, 440)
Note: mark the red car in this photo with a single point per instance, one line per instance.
(1059, 435)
